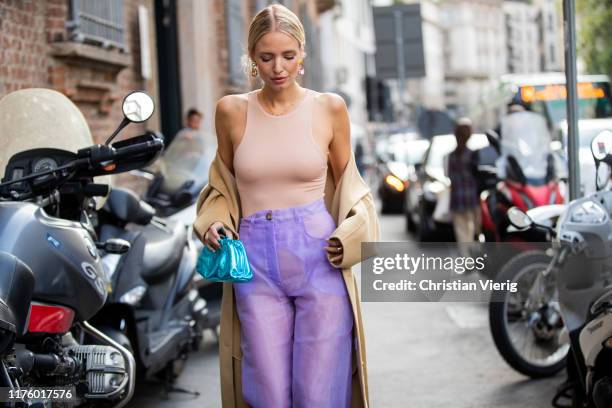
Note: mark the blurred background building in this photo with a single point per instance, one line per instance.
(189, 53)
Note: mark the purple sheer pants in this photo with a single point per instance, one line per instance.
(295, 313)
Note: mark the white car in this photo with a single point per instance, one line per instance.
(430, 186)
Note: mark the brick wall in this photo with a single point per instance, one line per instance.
(25, 28)
(34, 52)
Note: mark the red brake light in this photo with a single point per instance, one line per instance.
(50, 319)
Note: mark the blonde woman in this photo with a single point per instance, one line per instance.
(278, 148)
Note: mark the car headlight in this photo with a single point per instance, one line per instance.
(588, 212)
(395, 183)
(399, 170)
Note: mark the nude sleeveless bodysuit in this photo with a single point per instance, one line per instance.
(278, 163)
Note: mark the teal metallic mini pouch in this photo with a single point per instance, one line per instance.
(227, 264)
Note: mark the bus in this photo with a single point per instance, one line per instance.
(544, 93)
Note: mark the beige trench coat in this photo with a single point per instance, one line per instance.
(352, 207)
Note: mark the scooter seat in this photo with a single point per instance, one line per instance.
(16, 287)
(126, 207)
(163, 250)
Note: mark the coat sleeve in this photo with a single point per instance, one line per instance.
(211, 206)
(361, 225)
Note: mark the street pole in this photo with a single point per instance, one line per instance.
(569, 24)
(399, 44)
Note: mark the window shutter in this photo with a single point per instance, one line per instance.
(98, 22)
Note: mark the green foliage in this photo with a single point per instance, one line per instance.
(595, 35)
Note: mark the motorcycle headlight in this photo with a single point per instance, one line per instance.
(588, 212)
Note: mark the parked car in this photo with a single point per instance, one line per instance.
(396, 164)
(429, 183)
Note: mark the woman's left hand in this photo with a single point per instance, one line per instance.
(335, 250)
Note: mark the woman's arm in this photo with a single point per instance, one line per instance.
(339, 154)
(223, 120)
(340, 145)
(229, 115)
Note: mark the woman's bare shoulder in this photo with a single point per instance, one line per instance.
(231, 105)
(331, 102)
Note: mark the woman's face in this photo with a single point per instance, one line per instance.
(276, 55)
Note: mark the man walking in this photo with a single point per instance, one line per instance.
(464, 203)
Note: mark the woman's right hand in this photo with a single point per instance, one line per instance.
(211, 237)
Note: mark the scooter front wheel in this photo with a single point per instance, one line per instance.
(526, 325)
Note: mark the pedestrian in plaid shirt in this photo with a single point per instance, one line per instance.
(464, 202)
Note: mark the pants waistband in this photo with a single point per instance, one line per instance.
(287, 213)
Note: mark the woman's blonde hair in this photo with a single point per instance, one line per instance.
(275, 17)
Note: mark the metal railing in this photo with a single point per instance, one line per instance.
(99, 22)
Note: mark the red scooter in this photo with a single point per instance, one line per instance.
(527, 179)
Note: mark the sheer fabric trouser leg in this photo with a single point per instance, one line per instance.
(295, 314)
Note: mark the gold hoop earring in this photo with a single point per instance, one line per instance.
(301, 67)
(253, 69)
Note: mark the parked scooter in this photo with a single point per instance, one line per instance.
(153, 308)
(582, 263)
(183, 172)
(173, 191)
(52, 280)
(526, 174)
(526, 326)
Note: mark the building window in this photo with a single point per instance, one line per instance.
(99, 22)
(551, 22)
(553, 57)
(235, 36)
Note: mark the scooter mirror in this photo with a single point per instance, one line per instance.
(519, 218)
(138, 106)
(601, 146)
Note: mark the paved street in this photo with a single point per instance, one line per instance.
(420, 355)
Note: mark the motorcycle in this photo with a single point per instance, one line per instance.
(526, 173)
(53, 281)
(581, 262)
